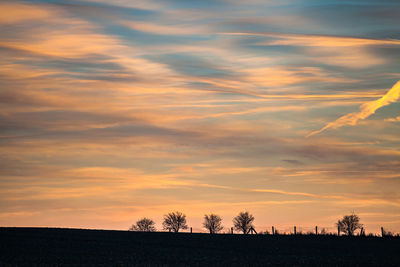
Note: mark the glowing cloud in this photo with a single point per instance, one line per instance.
(13, 13)
(393, 119)
(367, 109)
(317, 39)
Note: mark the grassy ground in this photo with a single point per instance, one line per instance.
(76, 247)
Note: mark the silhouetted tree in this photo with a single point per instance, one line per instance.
(349, 224)
(212, 223)
(143, 225)
(174, 221)
(243, 222)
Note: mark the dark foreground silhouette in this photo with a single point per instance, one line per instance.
(76, 247)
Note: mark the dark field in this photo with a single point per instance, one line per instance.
(74, 247)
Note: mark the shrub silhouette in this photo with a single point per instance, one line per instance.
(212, 223)
(243, 222)
(349, 224)
(143, 225)
(324, 231)
(386, 233)
(174, 221)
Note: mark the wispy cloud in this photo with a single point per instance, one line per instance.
(16, 12)
(366, 110)
(316, 39)
(336, 50)
(158, 29)
(116, 109)
(393, 119)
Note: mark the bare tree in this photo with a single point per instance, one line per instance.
(143, 225)
(212, 223)
(243, 222)
(349, 224)
(174, 221)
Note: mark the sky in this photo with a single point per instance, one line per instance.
(116, 110)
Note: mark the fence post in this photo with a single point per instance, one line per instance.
(232, 230)
(295, 230)
(273, 230)
(383, 232)
(191, 230)
(316, 230)
(338, 230)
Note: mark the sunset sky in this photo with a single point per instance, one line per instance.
(115, 110)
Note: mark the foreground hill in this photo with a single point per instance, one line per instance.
(77, 247)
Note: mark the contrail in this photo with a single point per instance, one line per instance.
(366, 110)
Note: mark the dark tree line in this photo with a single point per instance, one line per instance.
(243, 222)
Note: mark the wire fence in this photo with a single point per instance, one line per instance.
(302, 230)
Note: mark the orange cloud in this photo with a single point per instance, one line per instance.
(329, 49)
(393, 119)
(319, 40)
(13, 13)
(148, 4)
(164, 29)
(279, 77)
(367, 110)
